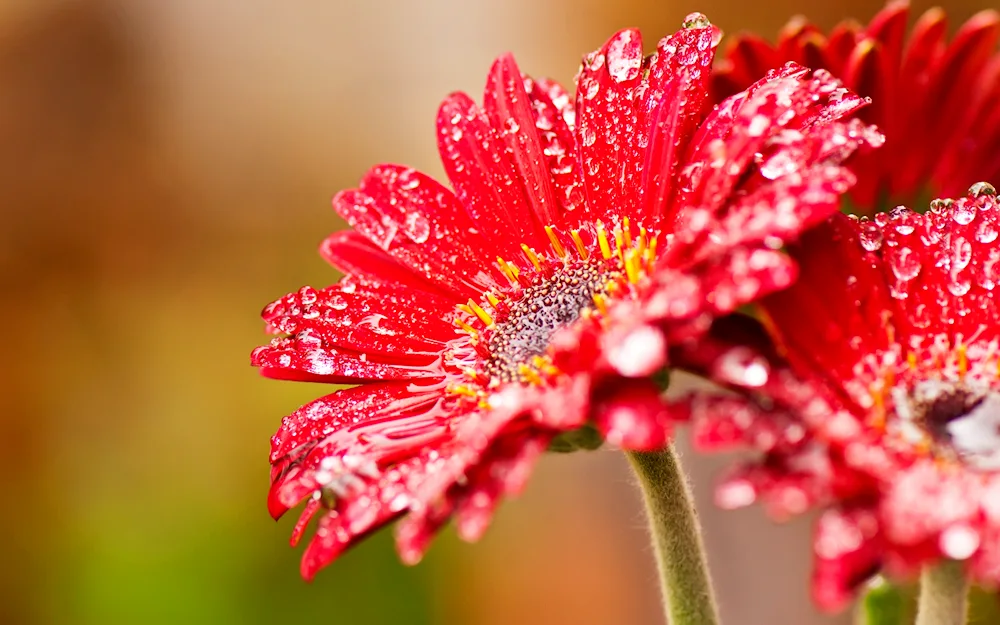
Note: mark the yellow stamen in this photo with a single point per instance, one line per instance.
(651, 254)
(601, 302)
(602, 240)
(911, 360)
(461, 389)
(619, 246)
(890, 330)
(482, 314)
(626, 233)
(878, 414)
(528, 374)
(530, 253)
(963, 361)
(544, 365)
(466, 327)
(578, 242)
(492, 299)
(554, 240)
(632, 266)
(642, 241)
(471, 373)
(465, 308)
(506, 269)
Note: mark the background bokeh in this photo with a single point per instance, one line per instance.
(165, 171)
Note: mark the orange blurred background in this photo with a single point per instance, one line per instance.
(166, 168)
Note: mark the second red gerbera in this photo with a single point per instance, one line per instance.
(937, 101)
(884, 408)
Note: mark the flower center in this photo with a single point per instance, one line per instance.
(543, 308)
(510, 329)
(963, 421)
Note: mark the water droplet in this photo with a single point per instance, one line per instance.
(870, 235)
(638, 353)
(417, 228)
(696, 20)
(964, 213)
(939, 205)
(961, 254)
(959, 542)
(905, 264)
(337, 302)
(742, 367)
(510, 125)
(987, 232)
(981, 189)
(959, 286)
(588, 136)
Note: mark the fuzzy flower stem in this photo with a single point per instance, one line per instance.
(944, 595)
(688, 598)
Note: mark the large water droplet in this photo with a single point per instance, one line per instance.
(963, 213)
(696, 20)
(981, 189)
(337, 302)
(417, 228)
(870, 235)
(959, 286)
(961, 254)
(905, 264)
(987, 232)
(959, 542)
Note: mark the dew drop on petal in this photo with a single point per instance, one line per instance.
(981, 189)
(987, 232)
(964, 213)
(640, 353)
(959, 542)
(870, 236)
(337, 302)
(741, 366)
(959, 286)
(961, 254)
(417, 228)
(905, 264)
(696, 20)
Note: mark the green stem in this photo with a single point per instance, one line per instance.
(688, 598)
(944, 595)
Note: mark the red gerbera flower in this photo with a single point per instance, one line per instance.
(885, 407)
(484, 322)
(938, 102)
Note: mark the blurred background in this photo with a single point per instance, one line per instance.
(166, 168)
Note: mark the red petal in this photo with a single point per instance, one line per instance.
(363, 262)
(848, 551)
(608, 126)
(485, 181)
(554, 115)
(508, 108)
(421, 224)
(633, 416)
(674, 102)
(400, 325)
(308, 358)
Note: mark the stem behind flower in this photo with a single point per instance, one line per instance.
(688, 597)
(944, 595)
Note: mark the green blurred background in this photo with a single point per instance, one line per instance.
(166, 168)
